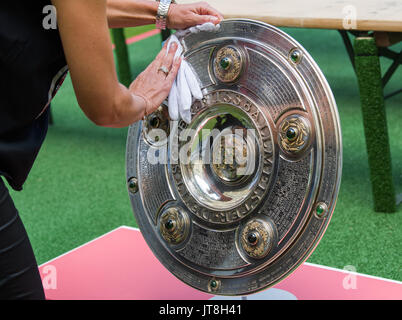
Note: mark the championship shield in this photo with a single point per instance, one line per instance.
(235, 201)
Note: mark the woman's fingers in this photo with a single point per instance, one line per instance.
(165, 83)
(161, 55)
(157, 80)
(168, 60)
(173, 72)
(164, 61)
(182, 16)
(207, 18)
(206, 10)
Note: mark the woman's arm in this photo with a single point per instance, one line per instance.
(83, 27)
(131, 13)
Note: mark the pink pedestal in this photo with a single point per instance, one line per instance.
(119, 265)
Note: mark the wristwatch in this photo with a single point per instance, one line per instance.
(162, 13)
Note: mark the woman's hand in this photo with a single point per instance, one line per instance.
(182, 16)
(153, 85)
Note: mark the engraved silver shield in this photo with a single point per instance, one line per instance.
(232, 227)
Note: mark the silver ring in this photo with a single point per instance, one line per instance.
(164, 70)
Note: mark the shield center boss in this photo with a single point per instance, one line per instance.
(242, 195)
(232, 143)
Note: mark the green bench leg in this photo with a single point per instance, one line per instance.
(375, 124)
(123, 62)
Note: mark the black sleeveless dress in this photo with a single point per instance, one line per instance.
(32, 67)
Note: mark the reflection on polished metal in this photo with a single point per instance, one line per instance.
(249, 186)
(209, 191)
(227, 146)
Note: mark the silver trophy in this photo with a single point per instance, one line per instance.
(235, 201)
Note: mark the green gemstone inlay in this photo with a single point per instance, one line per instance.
(252, 238)
(213, 284)
(291, 134)
(225, 63)
(295, 56)
(169, 224)
(320, 210)
(132, 185)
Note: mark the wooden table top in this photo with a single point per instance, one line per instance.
(371, 15)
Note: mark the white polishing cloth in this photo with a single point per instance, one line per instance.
(186, 88)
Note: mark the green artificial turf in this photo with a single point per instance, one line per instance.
(76, 190)
(131, 32)
(135, 31)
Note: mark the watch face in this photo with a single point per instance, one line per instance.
(235, 201)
